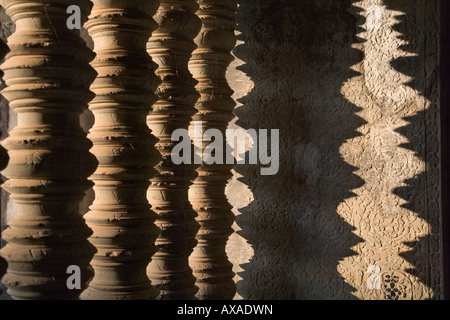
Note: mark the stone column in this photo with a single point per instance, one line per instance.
(3, 153)
(171, 47)
(209, 64)
(47, 77)
(121, 217)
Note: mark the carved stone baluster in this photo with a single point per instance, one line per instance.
(171, 47)
(209, 64)
(47, 77)
(3, 153)
(121, 217)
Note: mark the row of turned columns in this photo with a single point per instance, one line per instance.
(156, 230)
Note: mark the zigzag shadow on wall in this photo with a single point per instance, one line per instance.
(298, 55)
(421, 192)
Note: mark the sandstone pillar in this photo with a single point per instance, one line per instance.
(121, 217)
(209, 64)
(171, 47)
(47, 77)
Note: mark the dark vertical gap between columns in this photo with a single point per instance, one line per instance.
(445, 118)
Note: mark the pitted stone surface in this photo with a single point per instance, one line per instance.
(353, 88)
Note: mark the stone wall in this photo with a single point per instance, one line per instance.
(353, 88)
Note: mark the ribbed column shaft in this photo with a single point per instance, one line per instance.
(47, 75)
(209, 64)
(171, 46)
(121, 217)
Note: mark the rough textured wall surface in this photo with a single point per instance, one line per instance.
(354, 211)
(353, 88)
